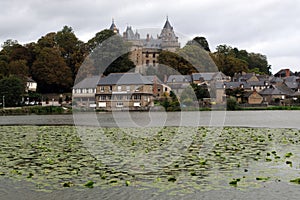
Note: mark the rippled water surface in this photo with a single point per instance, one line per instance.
(151, 156)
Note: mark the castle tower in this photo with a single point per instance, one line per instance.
(168, 38)
(113, 27)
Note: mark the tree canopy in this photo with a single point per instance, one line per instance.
(11, 89)
(55, 59)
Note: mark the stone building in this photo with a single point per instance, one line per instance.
(145, 51)
(124, 91)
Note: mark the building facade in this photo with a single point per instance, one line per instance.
(145, 51)
(124, 91)
(83, 92)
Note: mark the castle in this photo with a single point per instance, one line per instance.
(145, 51)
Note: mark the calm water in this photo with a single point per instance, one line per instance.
(12, 189)
(271, 119)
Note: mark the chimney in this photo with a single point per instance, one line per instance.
(287, 73)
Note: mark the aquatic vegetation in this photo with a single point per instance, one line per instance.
(58, 157)
(297, 180)
(89, 184)
(262, 178)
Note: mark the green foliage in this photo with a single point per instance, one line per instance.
(51, 72)
(12, 88)
(201, 91)
(231, 60)
(176, 62)
(121, 64)
(232, 104)
(197, 57)
(200, 41)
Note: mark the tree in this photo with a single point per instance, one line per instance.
(19, 68)
(176, 62)
(112, 55)
(121, 64)
(11, 88)
(227, 61)
(200, 41)
(198, 57)
(201, 91)
(51, 72)
(99, 38)
(71, 48)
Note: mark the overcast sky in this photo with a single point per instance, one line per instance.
(270, 27)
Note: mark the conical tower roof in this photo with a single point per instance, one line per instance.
(113, 27)
(167, 24)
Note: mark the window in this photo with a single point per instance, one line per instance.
(119, 104)
(154, 62)
(119, 88)
(136, 88)
(110, 88)
(153, 55)
(102, 97)
(137, 97)
(147, 62)
(83, 90)
(147, 54)
(101, 88)
(118, 97)
(127, 88)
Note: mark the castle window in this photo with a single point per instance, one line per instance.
(154, 63)
(153, 55)
(147, 54)
(147, 62)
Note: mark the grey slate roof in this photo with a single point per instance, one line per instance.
(208, 76)
(152, 78)
(279, 89)
(89, 82)
(179, 79)
(167, 25)
(124, 79)
(205, 76)
(256, 83)
(237, 85)
(152, 43)
(276, 80)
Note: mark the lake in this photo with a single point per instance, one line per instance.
(271, 119)
(278, 187)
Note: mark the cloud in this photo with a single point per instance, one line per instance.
(269, 27)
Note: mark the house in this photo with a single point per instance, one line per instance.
(245, 77)
(207, 77)
(124, 91)
(253, 97)
(276, 93)
(31, 85)
(234, 85)
(83, 92)
(258, 85)
(159, 88)
(284, 73)
(293, 82)
(178, 83)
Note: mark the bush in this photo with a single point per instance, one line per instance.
(232, 104)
